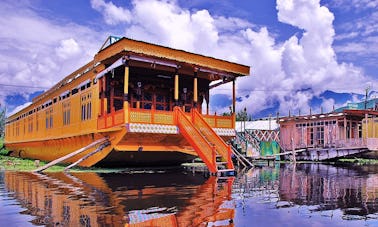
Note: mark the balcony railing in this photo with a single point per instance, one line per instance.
(144, 116)
(151, 116)
(341, 143)
(167, 118)
(110, 120)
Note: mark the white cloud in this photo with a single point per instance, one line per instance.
(68, 48)
(18, 108)
(356, 5)
(38, 52)
(290, 72)
(112, 14)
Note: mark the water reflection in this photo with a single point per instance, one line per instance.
(280, 195)
(91, 199)
(330, 188)
(313, 194)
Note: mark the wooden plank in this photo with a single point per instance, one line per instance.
(241, 156)
(100, 148)
(61, 159)
(290, 152)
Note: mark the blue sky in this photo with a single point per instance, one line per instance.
(297, 49)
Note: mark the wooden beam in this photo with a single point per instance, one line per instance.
(100, 148)
(61, 159)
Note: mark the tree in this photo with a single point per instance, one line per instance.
(2, 121)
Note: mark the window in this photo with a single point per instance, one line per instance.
(66, 113)
(74, 91)
(86, 106)
(320, 135)
(30, 124)
(49, 118)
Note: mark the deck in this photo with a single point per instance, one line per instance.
(251, 145)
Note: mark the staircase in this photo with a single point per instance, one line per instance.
(205, 141)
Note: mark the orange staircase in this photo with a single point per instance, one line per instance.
(204, 140)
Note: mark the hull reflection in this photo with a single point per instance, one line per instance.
(91, 199)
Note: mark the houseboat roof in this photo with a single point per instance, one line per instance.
(316, 117)
(262, 124)
(116, 47)
(126, 46)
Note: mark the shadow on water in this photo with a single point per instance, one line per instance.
(286, 195)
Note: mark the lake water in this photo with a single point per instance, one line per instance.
(279, 195)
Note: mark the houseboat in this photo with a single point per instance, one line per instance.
(331, 135)
(147, 104)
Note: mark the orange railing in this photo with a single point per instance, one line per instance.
(221, 147)
(151, 116)
(110, 120)
(220, 121)
(196, 139)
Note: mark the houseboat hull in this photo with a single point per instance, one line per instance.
(125, 149)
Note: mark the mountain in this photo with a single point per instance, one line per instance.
(341, 99)
(221, 101)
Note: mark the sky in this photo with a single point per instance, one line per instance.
(297, 49)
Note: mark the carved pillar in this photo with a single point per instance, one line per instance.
(176, 91)
(195, 89)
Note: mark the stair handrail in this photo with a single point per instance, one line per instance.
(213, 137)
(182, 120)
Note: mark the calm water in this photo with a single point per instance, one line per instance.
(311, 195)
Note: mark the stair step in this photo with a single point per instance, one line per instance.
(221, 163)
(226, 170)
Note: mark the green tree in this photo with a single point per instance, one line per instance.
(243, 115)
(2, 121)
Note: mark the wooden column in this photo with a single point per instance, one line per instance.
(105, 102)
(126, 93)
(373, 125)
(176, 94)
(195, 89)
(101, 96)
(233, 96)
(207, 97)
(367, 126)
(345, 128)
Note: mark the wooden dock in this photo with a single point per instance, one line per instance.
(323, 154)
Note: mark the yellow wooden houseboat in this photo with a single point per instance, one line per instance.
(144, 100)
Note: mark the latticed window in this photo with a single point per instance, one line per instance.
(66, 113)
(86, 106)
(49, 118)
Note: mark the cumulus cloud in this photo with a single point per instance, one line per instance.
(289, 72)
(67, 48)
(112, 14)
(37, 52)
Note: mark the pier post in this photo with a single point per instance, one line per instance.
(293, 150)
